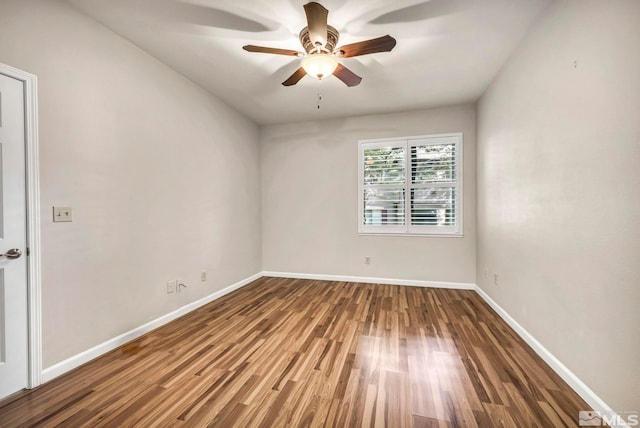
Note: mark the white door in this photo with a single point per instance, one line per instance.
(13, 262)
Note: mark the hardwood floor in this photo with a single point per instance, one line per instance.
(286, 352)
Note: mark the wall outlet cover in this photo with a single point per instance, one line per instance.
(171, 286)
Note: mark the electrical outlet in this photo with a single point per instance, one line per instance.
(171, 286)
(203, 276)
(495, 279)
(367, 260)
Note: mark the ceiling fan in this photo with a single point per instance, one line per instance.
(321, 58)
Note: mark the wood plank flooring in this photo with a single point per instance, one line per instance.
(289, 353)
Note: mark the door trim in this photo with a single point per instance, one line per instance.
(34, 285)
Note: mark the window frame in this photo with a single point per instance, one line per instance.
(408, 229)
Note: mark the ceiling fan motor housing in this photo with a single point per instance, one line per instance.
(332, 40)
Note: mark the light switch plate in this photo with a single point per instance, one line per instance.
(61, 214)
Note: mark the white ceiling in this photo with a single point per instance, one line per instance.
(448, 51)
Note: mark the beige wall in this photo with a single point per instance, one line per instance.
(309, 200)
(163, 178)
(558, 190)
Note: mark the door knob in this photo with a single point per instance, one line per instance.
(13, 253)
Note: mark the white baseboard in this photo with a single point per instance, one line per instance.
(77, 360)
(371, 280)
(567, 375)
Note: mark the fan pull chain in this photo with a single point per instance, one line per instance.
(319, 99)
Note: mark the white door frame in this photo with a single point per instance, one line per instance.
(34, 306)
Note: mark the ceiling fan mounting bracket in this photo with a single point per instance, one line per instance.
(333, 36)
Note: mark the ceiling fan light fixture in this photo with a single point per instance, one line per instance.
(319, 65)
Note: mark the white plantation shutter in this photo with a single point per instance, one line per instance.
(383, 193)
(411, 186)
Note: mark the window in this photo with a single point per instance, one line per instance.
(411, 186)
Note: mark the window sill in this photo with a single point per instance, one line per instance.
(419, 235)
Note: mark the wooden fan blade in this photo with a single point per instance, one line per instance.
(347, 76)
(381, 44)
(276, 51)
(317, 23)
(295, 77)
